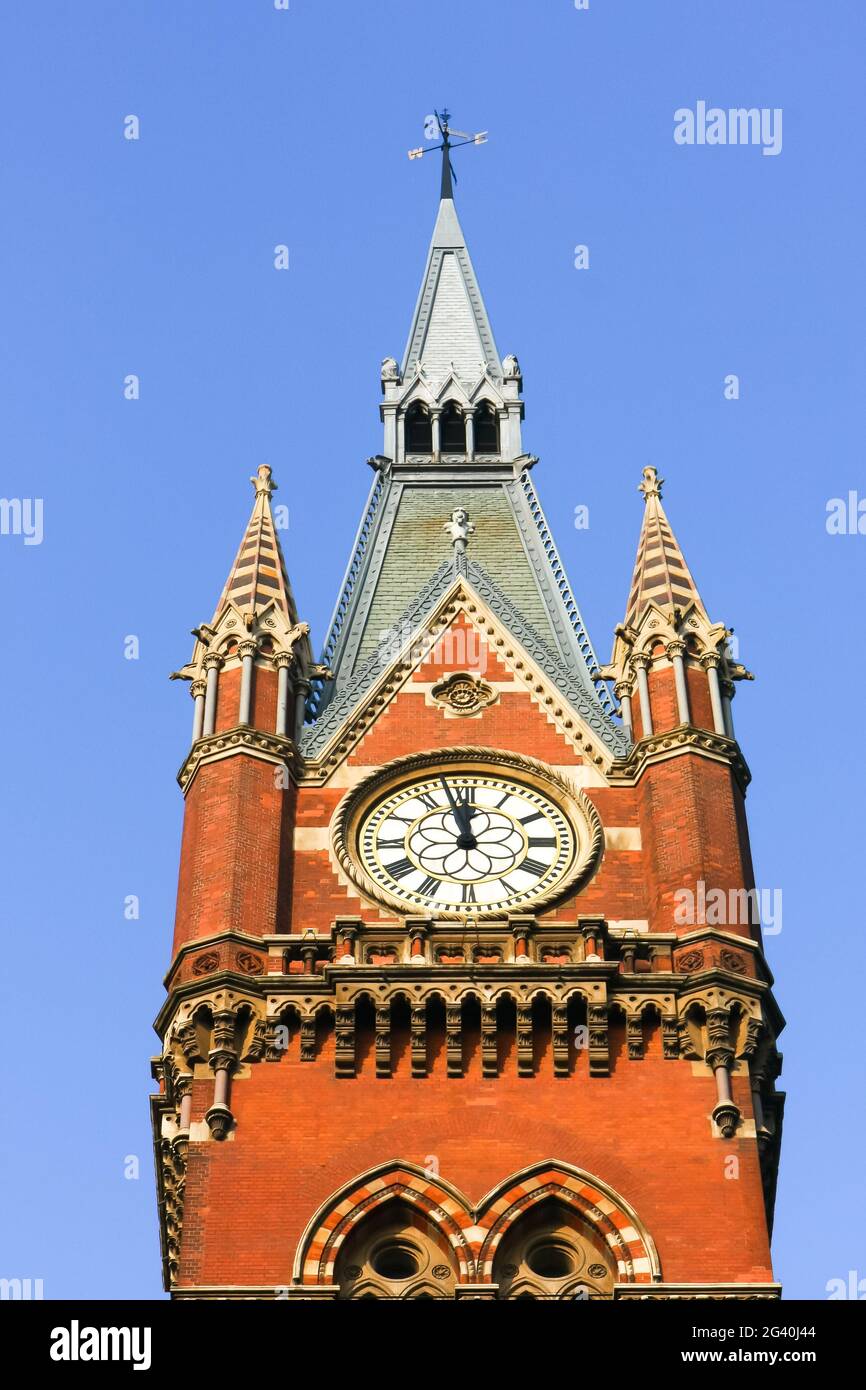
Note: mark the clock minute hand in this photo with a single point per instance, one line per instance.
(463, 813)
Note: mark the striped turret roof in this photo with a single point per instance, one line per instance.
(661, 575)
(258, 575)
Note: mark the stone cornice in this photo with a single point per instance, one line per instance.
(675, 743)
(312, 1293)
(256, 743)
(329, 984)
(698, 1291)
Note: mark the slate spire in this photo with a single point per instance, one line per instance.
(450, 327)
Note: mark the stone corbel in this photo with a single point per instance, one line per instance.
(454, 1039)
(524, 1038)
(308, 1038)
(187, 1036)
(183, 1092)
(257, 1049)
(561, 1055)
(670, 1035)
(599, 1042)
(419, 1039)
(489, 1040)
(383, 1039)
(344, 1032)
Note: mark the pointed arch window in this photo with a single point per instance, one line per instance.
(551, 1254)
(486, 429)
(419, 430)
(396, 1253)
(453, 427)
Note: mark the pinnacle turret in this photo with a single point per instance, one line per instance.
(668, 651)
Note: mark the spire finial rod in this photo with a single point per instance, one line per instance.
(446, 187)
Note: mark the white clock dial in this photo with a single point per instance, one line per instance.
(466, 842)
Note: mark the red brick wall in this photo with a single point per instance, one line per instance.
(700, 707)
(690, 834)
(663, 699)
(228, 699)
(235, 854)
(301, 1134)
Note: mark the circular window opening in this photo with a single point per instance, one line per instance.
(396, 1262)
(551, 1261)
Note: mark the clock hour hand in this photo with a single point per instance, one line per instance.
(463, 811)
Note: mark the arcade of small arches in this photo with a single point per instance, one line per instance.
(452, 429)
(550, 1231)
(561, 1030)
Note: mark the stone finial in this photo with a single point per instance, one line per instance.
(651, 485)
(459, 528)
(511, 368)
(262, 481)
(389, 369)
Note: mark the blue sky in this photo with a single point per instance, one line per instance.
(155, 257)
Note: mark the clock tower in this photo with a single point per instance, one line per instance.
(467, 996)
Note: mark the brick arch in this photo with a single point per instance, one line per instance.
(442, 1204)
(599, 1205)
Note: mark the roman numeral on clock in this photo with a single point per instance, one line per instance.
(468, 893)
(541, 842)
(536, 815)
(394, 844)
(430, 887)
(533, 866)
(400, 868)
(427, 800)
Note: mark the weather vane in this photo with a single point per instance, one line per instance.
(437, 124)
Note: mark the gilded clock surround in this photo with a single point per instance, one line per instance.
(569, 802)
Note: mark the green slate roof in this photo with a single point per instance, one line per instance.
(417, 545)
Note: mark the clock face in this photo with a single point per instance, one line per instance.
(466, 842)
